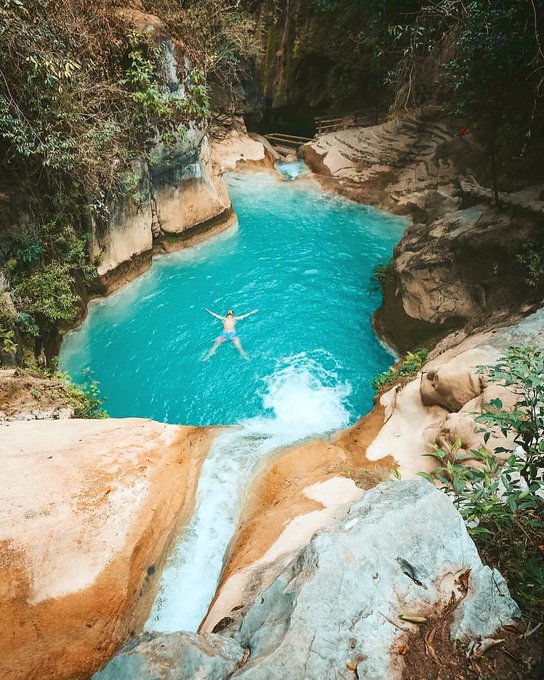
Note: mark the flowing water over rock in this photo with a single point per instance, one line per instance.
(305, 260)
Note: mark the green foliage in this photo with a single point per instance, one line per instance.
(403, 371)
(7, 329)
(522, 372)
(21, 251)
(47, 293)
(379, 275)
(86, 398)
(26, 324)
(531, 258)
(43, 276)
(326, 6)
(499, 493)
(157, 106)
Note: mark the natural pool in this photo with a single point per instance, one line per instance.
(305, 260)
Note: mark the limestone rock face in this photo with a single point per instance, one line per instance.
(89, 508)
(340, 599)
(240, 149)
(451, 385)
(175, 656)
(405, 165)
(174, 195)
(439, 405)
(459, 271)
(189, 195)
(169, 204)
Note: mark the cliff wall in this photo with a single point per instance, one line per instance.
(184, 196)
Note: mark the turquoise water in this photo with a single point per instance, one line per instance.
(303, 258)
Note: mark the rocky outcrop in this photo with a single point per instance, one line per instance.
(456, 266)
(169, 205)
(440, 404)
(469, 269)
(334, 610)
(238, 150)
(407, 165)
(89, 508)
(304, 488)
(174, 656)
(403, 549)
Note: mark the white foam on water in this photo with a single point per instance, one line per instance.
(303, 397)
(292, 170)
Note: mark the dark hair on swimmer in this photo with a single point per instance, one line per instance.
(230, 313)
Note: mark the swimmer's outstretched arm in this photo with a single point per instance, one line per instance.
(246, 315)
(214, 314)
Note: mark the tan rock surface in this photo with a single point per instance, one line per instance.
(459, 271)
(195, 199)
(406, 165)
(313, 485)
(238, 148)
(186, 206)
(303, 489)
(88, 510)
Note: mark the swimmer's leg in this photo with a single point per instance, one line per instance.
(236, 342)
(213, 350)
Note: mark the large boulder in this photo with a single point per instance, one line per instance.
(89, 509)
(403, 549)
(462, 271)
(175, 656)
(442, 402)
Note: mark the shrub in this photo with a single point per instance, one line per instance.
(86, 398)
(502, 502)
(22, 251)
(48, 293)
(379, 276)
(7, 329)
(532, 261)
(403, 371)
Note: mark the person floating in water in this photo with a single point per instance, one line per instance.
(229, 332)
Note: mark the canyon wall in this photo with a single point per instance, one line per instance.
(184, 196)
(464, 263)
(310, 61)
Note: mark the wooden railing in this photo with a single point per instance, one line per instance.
(340, 122)
(289, 141)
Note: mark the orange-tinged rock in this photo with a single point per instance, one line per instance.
(85, 528)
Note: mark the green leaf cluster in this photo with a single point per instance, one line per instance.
(402, 371)
(500, 493)
(7, 328)
(85, 397)
(531, 259)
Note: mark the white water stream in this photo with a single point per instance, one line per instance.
(304, 399)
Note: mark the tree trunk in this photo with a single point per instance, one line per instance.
(493, 158)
